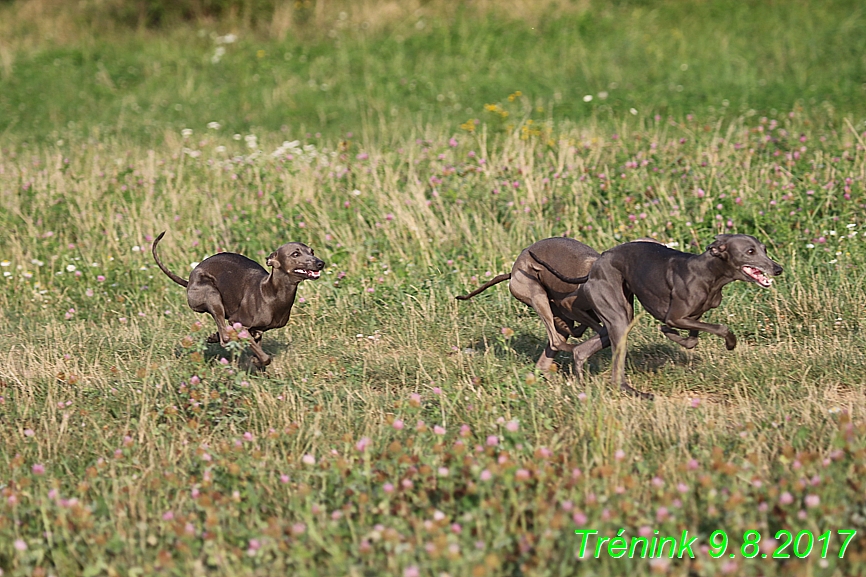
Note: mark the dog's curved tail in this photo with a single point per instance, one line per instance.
(557, 274)
(162, 267)
(496, 280)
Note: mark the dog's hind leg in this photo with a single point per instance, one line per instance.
(565, 326)
(556, 340)
(203, 297)
(586, 349)
(527, 290)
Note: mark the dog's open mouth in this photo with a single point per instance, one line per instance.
(308, 273)
(757, 275)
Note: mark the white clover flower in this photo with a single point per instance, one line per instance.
(136, 248)
(70, 268)
(587, 98)
(213, 125)
(218, 54)
(5, 263)
(186, 132)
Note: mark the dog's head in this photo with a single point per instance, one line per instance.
(747, 256)
(296, 259)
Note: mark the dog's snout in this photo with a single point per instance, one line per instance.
(777, 269)
(320, 264)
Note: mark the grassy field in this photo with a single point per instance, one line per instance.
(392, 69)
(400, 431)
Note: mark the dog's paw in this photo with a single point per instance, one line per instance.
(731, 342)
(213, 339)
(261, 363)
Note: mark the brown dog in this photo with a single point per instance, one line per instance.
(533, 284)
(676, 288)
(232, 287)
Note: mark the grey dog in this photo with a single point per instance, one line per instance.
(674, 287)
(532, 284)
(232, 287)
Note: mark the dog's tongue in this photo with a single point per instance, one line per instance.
(759, 276)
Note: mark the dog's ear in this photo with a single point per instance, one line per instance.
(272, 260)
(719, 247)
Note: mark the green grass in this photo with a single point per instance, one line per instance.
(399, 431)
(436, 66)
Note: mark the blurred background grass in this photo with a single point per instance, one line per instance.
(139, 69)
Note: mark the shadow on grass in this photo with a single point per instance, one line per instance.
(214, 352)
(643, 358)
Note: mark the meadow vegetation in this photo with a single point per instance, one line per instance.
(399, 431)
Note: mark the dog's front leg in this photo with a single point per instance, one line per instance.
(256, 347)
(689, 342)
(616, 311)
(691, 325)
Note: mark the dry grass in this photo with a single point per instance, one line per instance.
(117, 420)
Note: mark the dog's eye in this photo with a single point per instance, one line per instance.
(296, 254)
(751, 251)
